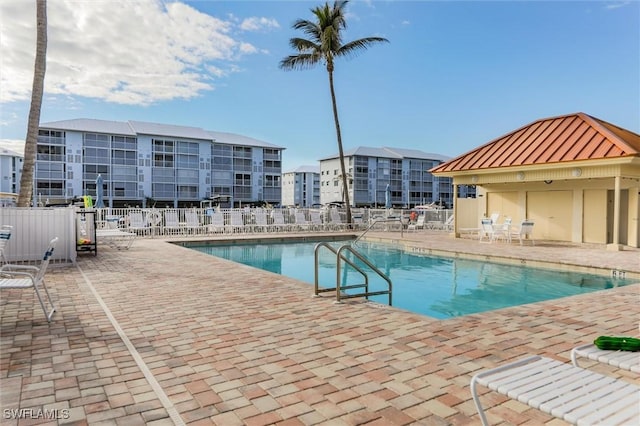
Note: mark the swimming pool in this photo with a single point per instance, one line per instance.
(438, 287)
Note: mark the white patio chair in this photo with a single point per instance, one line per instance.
(28, 276)
(524, 232)
(486, 230)
(577, 396)
(5, 235)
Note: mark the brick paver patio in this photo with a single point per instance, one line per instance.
(162, 335)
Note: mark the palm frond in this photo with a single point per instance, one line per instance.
(302, 61)
(354, 47)
(310, 28)
(303, 45)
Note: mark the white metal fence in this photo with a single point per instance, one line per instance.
(175, 222)
(34, 228)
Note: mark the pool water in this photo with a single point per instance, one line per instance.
(438, 287)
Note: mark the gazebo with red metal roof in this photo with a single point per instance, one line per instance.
(576, 176)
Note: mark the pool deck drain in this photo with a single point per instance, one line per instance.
(227, 344)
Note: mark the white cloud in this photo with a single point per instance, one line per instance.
(247, 48)
(259, 24)
(616, 4)
(16, 146)
(121, 51)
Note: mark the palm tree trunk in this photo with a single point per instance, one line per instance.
(26, 181)
(345, 184)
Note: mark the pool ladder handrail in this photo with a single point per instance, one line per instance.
(376, 221)
(338, 288)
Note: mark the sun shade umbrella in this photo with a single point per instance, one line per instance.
(387, 198)
(99, 193)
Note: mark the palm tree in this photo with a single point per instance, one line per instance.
(324, 45)
(26, 181)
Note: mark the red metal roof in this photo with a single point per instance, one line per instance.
(552, 140)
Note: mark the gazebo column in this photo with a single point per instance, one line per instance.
(456, 234)
(633, 239)
(615, 244)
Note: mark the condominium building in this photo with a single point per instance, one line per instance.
(370, 170)
(143, 164)
(10, 174)
(301, 187)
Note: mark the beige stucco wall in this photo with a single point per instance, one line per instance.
(632, 220)
(467, 215)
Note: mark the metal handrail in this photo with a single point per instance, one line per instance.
(317, 288)
(349, 247)
(375, 222)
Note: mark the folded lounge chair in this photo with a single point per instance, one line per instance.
(576, 395)
(625, 360)
(28, 276)
(116, 238)
(5, 235)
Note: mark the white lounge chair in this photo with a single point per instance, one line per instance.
(28, 276)
(447, 225)
(137, 223)
(302, 224)
(336, 220)
(625, 360)
(316, 220)
(419, 224)
(217, 225)
(192, 222)
(576, 395)
(261, 222)
(236, 222)
(172, 222)
(278, 220)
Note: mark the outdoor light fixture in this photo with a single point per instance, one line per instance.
(548, 182)
(577, 172)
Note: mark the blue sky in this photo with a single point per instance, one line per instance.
(455, 74)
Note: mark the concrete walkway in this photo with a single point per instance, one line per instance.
(162, 335)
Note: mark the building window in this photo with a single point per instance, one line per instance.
(243, 179)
